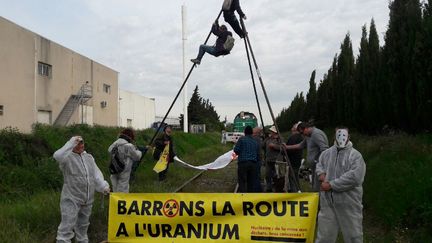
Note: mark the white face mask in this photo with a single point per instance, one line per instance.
(341, 138)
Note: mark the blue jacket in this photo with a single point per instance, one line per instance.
(247, 149)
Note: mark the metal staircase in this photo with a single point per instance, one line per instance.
(83, 95)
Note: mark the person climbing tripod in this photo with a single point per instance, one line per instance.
(228, 8)
(219, 48)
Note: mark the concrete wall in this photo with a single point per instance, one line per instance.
(17, 76)
(28, 96)
(136, 111)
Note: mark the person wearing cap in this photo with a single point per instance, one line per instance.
(128, 153)
(273, 151)
(341, 170)
(316, 142)
(160, 143)
(248, 151)
(230, 17)
(81, 178)
(218, 49)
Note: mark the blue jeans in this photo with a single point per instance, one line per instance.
(205, 48)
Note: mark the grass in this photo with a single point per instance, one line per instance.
(397, 187)
(30, 181)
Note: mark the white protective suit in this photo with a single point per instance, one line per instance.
(81, 178)
(128, 154)
(341, 208)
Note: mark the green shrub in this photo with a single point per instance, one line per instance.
(30, 179)
(398, 186)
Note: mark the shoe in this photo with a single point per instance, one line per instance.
(244, 34)
(196, 61)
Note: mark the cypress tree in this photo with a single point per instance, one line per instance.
(323, 111)
(374, 106)
(424, 66)
(398, 58)
(361, 91)
(311, 98)
(345, 83)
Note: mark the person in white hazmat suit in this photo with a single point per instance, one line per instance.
(81, 178)
(341, 170)
(128, 154)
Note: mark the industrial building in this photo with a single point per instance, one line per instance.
(136, 111)
(44, 82)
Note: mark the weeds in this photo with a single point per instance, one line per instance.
(397, 188)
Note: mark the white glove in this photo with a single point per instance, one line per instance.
(76, 139)
(106, 191)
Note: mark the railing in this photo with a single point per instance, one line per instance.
(84, 94)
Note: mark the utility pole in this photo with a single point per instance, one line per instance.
(185, 97)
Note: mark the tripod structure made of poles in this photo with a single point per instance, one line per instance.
(249, 52)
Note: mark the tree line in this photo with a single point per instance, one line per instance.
(383, 87)
(201, 111)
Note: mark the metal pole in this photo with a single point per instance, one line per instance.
(269, 106)
(181, 88)
(185, 97)
(253, 82)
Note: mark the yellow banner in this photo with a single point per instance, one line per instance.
(210, 217)
(162, 163)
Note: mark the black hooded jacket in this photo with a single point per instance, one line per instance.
(235, 6)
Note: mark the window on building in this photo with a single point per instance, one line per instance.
(1, 110)
(107, 88)
(129, 122)
(44, 69)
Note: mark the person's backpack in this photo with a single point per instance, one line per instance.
(229, 43)
(226, 5)
(116, 165)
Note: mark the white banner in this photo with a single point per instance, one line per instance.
(221, 162)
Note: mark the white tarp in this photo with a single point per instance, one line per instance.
(221, 162)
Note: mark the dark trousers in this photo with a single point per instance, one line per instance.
(162, 174)
(231, 19)
(133, 170)
(294, 185)
(258, 187)
(247, 176)
(270, 175)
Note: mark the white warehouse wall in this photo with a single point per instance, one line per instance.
(136, 111)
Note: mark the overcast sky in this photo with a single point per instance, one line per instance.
(142, 41)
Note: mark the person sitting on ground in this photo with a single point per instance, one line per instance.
(230, 17)
(218, 49)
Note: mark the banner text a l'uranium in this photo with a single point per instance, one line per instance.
(209, 217)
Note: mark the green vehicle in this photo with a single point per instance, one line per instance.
(244, 119)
